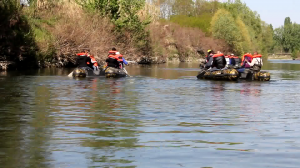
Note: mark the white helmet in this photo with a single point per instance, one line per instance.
(117, 53)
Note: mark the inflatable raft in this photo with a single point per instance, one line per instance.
(234, 75)
(111, 72)
(251, 75)
(83, 72)
(108, 72)
(227, 74)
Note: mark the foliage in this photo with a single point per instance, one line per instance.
(223, 26)
(288, 36)
(182, 7)
(295, 54)
(16, 37)
(202, 22)
(124, 14)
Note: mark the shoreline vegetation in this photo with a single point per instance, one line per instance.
(49, 33)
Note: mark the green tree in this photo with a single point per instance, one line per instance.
(183, 7)
(223, 26)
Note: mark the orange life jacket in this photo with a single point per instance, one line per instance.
(81, 54)
(112, 52)
(256, 56)
(113, 56)
(218, 55)
(120, 57)
(93, 60)
(246, 55)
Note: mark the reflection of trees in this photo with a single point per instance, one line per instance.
(110, 110)
(25, 120)
(165, 71)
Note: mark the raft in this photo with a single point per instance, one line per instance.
(234, 75)
(251, 75)
(111, 72)
(82, 72)
(227, 74)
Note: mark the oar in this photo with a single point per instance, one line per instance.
(126, 71)
(71, 74)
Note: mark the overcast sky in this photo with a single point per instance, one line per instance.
(275, 11)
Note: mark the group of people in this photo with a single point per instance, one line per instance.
(218, 60)
(114, 59)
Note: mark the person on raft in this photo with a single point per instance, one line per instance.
(217, 61)
(115, 59)
(83, 60)
(256, 62)
(231, 60)
(93, 64)
(209, 54)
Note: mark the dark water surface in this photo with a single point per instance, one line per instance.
(162, 116)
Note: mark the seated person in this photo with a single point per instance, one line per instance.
(247, 58)
(219, 61)
(83, 60)
(209, 54)
(112, 61)
(256, 62)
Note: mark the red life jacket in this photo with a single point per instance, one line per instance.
(81, 54)
(246, 55)
(120, 57)
(218, 55)
(256, 56)
(93, 60)
(227, 56)
(113, 56)
(112, 52)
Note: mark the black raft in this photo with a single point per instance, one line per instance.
(234, 75)
(226, 74)
(82, 72)
(111, 72)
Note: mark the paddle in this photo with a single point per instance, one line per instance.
(71, 74)
(126, 71)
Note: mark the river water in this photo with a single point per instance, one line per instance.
(161, 116)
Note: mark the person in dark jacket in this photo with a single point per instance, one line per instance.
(219, 61)
(209, 54)
(209, 59)
(83, 60)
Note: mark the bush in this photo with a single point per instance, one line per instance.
(295, 54)
(202, 22)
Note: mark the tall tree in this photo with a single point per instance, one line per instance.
(183, 7)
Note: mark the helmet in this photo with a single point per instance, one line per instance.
(232, 54)
(117, 53)
(208, 51)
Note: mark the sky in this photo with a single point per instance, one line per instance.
(275, 11)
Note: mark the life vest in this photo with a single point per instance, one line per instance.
(256, 56)
(218, 55)
(246, 55)
(93, 60)
(120, 57)
(81, 54)
(112, 52)
(113, 56)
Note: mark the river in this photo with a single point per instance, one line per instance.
(161, 116)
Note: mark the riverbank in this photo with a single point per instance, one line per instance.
(280, 57)
(49, 36)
